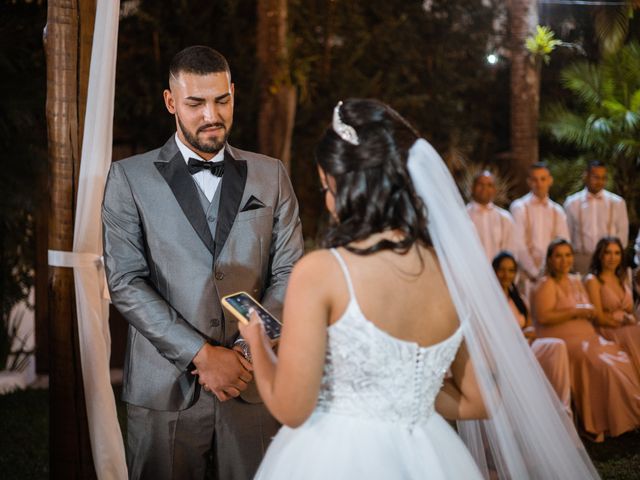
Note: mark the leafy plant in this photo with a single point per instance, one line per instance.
(23, 143)
(542, 43)
(603, 120)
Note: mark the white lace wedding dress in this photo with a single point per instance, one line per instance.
(375, 416)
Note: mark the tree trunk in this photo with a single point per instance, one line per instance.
(69, 30)
(525, 92)
(277, 94)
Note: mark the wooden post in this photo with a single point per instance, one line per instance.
(277, 94)
(69, 30)
(525, 92)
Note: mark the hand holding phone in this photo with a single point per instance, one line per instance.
(240, 303)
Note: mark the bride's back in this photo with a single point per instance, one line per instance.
(404, 295)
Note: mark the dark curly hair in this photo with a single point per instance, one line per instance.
(374, 191)
(596, 260)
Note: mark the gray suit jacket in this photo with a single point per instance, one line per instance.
(166, 270)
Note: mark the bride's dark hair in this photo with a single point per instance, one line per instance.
(374, 191)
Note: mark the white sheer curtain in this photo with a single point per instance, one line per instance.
(86, 259)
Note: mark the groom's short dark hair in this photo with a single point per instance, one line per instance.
(198, 59)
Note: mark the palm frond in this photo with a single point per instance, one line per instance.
(627, 147)
(631, 120)
(612, 26)
(634, 103)
(614, 108)
(568, 127)
(585, 80)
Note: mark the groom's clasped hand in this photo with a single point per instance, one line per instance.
(223, 371)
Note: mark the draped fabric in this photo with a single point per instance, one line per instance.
(528, 434)
(86, 259)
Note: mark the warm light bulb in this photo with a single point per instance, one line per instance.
(492, 59)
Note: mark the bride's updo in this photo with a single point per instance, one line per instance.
(374, 191)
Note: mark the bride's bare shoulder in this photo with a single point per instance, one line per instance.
(316, 265)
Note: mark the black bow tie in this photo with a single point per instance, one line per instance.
(216, 168)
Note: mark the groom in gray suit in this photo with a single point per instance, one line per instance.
(185, 225)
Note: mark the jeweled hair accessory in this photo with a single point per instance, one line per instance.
(346, 132)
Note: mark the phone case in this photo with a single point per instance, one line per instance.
(272, 327)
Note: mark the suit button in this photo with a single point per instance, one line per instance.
(219, 275)
(211, 218)
(215, 322)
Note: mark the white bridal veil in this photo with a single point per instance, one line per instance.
(528, 434)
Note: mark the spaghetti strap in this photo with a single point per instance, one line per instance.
(345, 271)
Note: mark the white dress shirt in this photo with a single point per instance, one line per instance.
(593, 216)
(495, 228)
(538, 221)
(637, 249)
(206, 182)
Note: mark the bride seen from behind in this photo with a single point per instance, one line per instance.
(371, 326)
(402, 305)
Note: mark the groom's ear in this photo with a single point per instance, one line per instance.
(169, 101)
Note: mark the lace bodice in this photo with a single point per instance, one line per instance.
(369, 373)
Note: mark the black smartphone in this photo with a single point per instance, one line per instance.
(239, 304)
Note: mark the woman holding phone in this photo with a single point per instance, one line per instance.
(373, 323)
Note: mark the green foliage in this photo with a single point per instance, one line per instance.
(612, 25)
(23, 147)
(427, 61)
(604, 120)
(542, 43)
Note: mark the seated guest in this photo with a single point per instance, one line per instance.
(610, 294)
(605, 385)
(593, 213)
(551, 353)
(494, 225)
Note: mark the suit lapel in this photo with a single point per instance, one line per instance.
(173, 168)
(231, 190)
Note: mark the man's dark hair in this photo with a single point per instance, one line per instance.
(538, 166)
(198, 59)
(594, 164)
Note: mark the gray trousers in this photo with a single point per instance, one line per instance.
(211, 439)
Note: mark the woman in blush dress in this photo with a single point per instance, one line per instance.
(604, 383)
(610, 294)
(551, 353)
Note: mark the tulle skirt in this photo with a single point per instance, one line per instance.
(330, 446)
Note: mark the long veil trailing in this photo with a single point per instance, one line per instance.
(528, 434)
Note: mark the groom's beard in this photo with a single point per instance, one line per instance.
(210, 146)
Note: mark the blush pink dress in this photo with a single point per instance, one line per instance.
(627, 336)
(552, 356)
(604, 383)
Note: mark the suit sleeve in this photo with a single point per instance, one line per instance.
(286, 244)
(127, 270)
